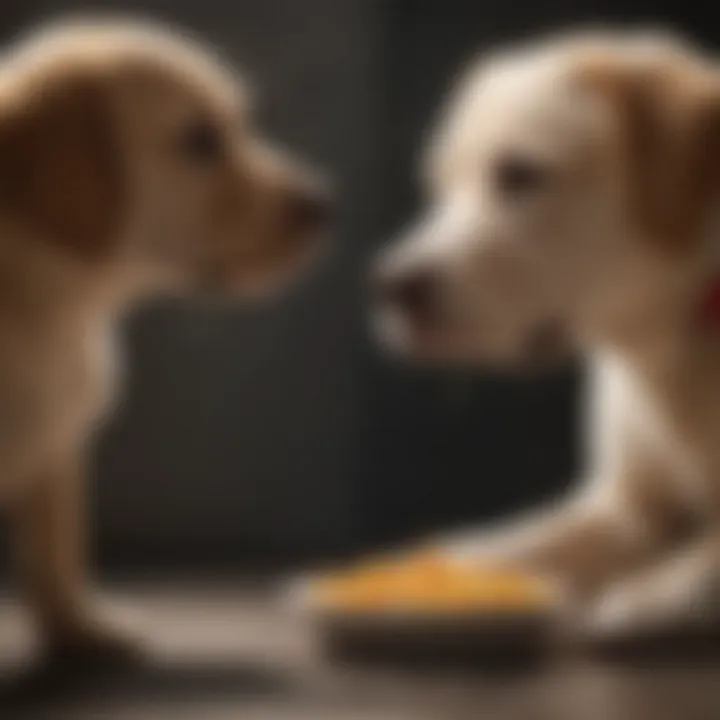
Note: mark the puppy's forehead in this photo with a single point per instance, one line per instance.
(151, 56)
(537, 89)
(528, 100)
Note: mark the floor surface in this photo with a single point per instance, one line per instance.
(227, 653)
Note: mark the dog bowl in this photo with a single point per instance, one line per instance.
(430, 608)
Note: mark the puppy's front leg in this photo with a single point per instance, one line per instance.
(621, 515)
(679, 593)
(49, 532)
(582, 544)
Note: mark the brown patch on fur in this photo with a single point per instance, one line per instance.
(668, 109)
(60, 167)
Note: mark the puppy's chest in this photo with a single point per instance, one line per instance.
(85, 378)
(52, 390)
(674, 424)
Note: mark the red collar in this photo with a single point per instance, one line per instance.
(709, 310)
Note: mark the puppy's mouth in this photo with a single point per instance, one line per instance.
(425, 334)
(274, 259)
(278, 274)
(436, 337)
(265, 275)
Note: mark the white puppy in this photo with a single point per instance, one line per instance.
(574, 188)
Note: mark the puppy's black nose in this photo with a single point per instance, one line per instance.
(415, 291)
(309, 209)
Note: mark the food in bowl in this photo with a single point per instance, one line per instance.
(427, 582)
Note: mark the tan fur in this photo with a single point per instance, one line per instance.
(101, 203)
(668, 112)
(61, 167)
(618, 246)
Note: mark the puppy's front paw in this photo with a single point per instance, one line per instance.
(648, 618)
(623, 623)
(621, 611)
(93, 640)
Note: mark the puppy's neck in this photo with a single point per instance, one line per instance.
(38, 281)
(665, 332)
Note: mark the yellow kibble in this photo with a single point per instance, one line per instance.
(428, 581)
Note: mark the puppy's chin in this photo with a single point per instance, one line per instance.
(261, 281)
(280, 277)
(544, 349)
(417, 343)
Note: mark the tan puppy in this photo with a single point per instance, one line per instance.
(575, 193)
(128, 165)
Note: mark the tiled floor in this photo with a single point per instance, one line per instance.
(224, 653)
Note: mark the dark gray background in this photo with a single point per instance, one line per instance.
(257, 434)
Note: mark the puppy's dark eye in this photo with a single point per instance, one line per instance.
(518, 176)
(202, 142)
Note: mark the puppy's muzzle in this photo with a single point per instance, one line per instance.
(413, 292)
(308, 210)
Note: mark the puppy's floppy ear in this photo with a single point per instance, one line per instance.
(60, 165)
(668, 108)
